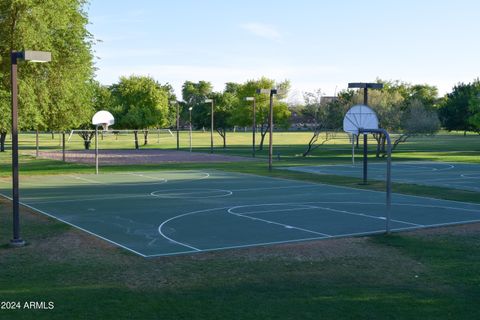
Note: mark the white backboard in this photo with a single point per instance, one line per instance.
(103, 118)
(359, 117)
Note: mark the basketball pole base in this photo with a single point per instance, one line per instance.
(17, 242)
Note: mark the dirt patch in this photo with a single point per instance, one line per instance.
(148, 156)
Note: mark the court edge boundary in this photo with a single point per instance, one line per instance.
(359, 234)
(75, 226)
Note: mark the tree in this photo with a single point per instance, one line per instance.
(172, 108)
(5, 121)
(455, 111)
(194, 95)
(51, 96)
(139, 102)
(243, 115)
(327, 117)
(416, 120)
(225, 103)
(101, 100)
(474, 108)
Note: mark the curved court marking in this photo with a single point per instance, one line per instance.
(181, 216)
(191, 193)
(304, 206)
(427, 166)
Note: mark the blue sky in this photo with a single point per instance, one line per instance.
(315, 44)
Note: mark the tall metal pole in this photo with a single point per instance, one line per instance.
(190, 110)
(178, 125)
(254, 127)
(365, 87)
(365, 142)
(270, 122)
(37, 144)
(353, 149)
(38, 56)
(211, 129)
(96, 149)
(63, 146)
(389, 174)
(16, 241)
(389, 179)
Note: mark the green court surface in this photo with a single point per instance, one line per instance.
(462, 176)
(172, 212)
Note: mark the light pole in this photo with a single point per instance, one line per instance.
(365, 87)
(254, 125)
(190, 111)
(33, 56)
(270, 123)
(174, 102)
(101, 118)
(211, 124)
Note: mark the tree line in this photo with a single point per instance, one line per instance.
(63, 95)
(140, 103)
(402, 108)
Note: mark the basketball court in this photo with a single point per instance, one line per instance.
(158, 213)
(463, 176)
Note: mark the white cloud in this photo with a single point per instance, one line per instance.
(262, 30)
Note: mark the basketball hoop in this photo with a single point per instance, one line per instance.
(103, 118)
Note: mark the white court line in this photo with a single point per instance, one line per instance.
(299, 207)
(298, 228)
(276, 223)
(193, 193)
(396, 203)
(273, 188)
(85, 179)
(343, 235)
(319, 184)
(466, 175)
(239, 246)
(445, 224)
(86, 199)
(206, 175)
(148, 177)
(325, 208)
(160, 180)
(180, 216)
(119, 183)
(75, 226)
(286, 241)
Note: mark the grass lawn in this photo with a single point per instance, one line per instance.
(427, 274)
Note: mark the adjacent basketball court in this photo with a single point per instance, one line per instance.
(462, 176)
(172, 212)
